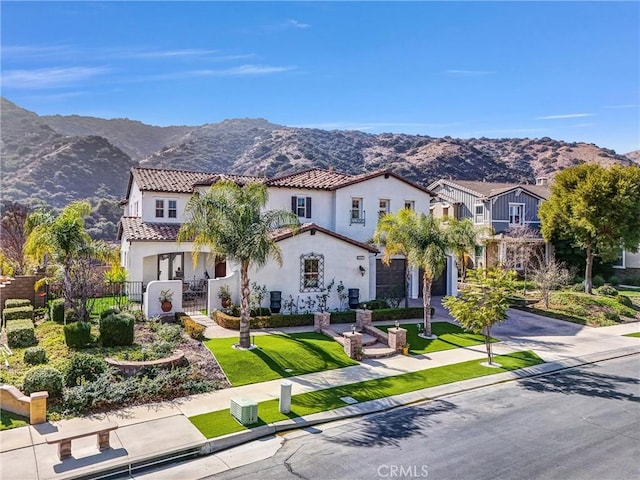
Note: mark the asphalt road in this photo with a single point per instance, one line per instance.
(582, 424)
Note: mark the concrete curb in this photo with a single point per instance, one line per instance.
(432, 393)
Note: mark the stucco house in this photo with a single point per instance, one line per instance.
(338, 213)
(502, 212)
(627, 265)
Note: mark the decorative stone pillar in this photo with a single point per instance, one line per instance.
(397, 338)
(321, 321)
(38, 408)
(363, 319)
(353, 345)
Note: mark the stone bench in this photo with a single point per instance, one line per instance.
(63, 439)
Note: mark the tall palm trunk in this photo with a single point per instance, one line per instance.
(426, 303)
(245, 338)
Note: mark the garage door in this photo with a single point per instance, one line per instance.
(390, 278)
(439, 285)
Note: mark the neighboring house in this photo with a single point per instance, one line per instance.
(338, 213)
(500, 211)
(627, 265)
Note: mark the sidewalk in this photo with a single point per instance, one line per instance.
(161, 430)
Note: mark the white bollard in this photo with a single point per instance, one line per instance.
(285, 396)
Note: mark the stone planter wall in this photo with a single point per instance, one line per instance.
(130, 368)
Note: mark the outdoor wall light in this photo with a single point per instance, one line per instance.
(362, 270)
(397, 324)
(353, 329)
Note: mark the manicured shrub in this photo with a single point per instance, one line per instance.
(17, 302)
(77, 334)
(116, 330)
(624, 300)
(399, 313)
(35, 356)
(56, 312)
(578, 287)
(376, 304)
(83, 368)
(17, 313)
(70, 316)
(606, 290)
(193, 328)
(169, 333)
(273, 321)
(21, 334)
(615, 281)
(343, 317)
(40, 379)
(597, 281)
(109, 311)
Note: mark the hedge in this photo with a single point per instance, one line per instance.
(17, 313)
(272, 321)
(343, 317)
(398, 313)
(77, 334)
(17, 302)
(40, 379)
(21, 334)
(116, 330)
(56, 310)
(193, 328)
(35, 356)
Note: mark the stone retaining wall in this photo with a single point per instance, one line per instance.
(130, 368)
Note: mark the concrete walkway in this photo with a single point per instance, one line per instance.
(156, 431)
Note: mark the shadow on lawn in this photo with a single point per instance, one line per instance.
(583, 382)
(387, 429)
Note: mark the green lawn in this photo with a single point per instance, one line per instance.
(11, 420)
(635, 334)
(218, 423)
(278, 356)
(449, 336)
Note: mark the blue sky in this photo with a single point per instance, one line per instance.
(570, 71)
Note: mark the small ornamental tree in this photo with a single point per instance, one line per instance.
(549, 276)
(483, 302)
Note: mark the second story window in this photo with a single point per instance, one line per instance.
(173, 209)
(301, 206)
(384, 208)
(159, 208)
(445, 212)
(357, 214)
(409, 204)
(516, 214)
(478, 213)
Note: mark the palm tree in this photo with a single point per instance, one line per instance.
(462, 235)
(64, 240)
(228, 219)
(423, 241)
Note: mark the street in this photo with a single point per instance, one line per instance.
(582, 423)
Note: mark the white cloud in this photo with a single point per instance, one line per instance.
(468, 73)
(630, 105)
(296, 24)
(187, 52)
(54, 77)
(565, 115)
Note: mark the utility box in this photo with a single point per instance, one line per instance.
(244, 410)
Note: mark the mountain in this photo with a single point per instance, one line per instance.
(634, 156)
(62, 158)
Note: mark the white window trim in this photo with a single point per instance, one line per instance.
(155, 209)
(624, 261)
(172, 200)
(302, 206)
(475, 215)
(522, 214)
(412, 204)
(360, 210)
(387, 210)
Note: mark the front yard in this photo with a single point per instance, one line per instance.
(278, 356)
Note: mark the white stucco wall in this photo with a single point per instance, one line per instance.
(341, 262)
(151, 304)
(371, 192)
(149, 206)
(321, 204)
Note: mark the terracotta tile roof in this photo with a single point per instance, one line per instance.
(163, 180)
(283, 233)
(491, 189)
(314, 178)
(239, 179)
(134, 229)
(319, 179)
